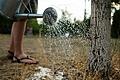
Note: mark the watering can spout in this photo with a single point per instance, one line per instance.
(49, 16)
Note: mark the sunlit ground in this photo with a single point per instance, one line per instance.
(59, 58)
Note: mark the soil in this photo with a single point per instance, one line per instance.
(66, 55)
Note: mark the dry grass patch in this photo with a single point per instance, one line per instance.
(66, 55)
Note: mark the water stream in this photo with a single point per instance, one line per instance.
(55, 44)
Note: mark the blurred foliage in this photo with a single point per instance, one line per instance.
(65, 27)
(32, 23)
(116, 1)
(115, 29)
(5, 25)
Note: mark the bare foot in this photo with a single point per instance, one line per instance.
(10, 54)
(23, 58)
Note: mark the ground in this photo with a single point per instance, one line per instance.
(66, 55)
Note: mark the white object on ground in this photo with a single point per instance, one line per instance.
(44, 73)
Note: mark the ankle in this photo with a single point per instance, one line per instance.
(19, 55)
(11, 51)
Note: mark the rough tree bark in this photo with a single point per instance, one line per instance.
(99, 56)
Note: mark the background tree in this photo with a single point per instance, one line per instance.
(5, 25)
(115, 29)
(99, 56)
(32, 23)
(116, 1)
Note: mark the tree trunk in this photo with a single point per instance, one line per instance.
(99, 60)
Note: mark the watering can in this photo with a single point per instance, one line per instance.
(10, 9)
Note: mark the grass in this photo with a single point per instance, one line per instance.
(68, 55)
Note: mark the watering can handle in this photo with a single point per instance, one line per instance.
(49, 16)
(28, 16)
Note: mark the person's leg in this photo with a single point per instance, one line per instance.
(18, 29)
(16, 45)
(12, 41)
(11, 49)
